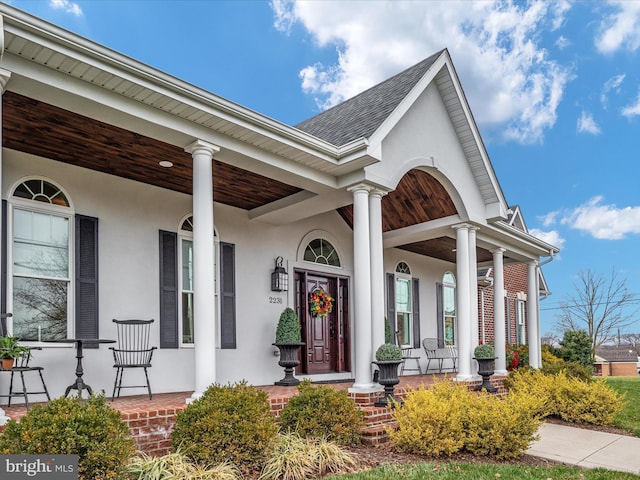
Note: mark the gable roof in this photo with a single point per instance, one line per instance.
(363, 114)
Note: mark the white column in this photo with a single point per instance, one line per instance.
(533, 336)
(377, 269)
(4, 78)
(204, 307)
(473, 278)
(362, 289)
(499, 329)
(463, 307)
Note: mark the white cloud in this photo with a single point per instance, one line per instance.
(550, 218)
(613, 84)
(633, 109)
(562, 42)
(552, 237)
(621, 28)
(603, 221)
(586, 124)
(510, 81)
(67, 6)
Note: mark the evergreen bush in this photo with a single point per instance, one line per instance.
(388, 352)
(321, 411)
(289, 329)
(231, 423)
(88, 428)
(484, 351)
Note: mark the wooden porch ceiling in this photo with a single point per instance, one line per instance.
(41, 129)
(38, 128)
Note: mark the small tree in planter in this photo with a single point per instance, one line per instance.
(288, 341)
(485, 355)
(388, 358)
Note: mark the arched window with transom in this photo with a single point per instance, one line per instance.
(321, 251)
(41, 226)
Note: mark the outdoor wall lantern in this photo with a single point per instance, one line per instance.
(279, 277)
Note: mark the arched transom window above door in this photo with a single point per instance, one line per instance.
(321, 251)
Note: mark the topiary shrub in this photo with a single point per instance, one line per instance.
(88, 428)
(289, 329)
(484, 351)
(388, 352)
(321, 411)
(231, 423)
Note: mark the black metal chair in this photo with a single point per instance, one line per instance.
(132, 351)
(21, 366)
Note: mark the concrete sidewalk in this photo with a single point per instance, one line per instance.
(587, 448)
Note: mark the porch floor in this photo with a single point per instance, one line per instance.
(177, 400)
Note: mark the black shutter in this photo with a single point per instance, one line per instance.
(227, 295)
(440, 313)
(391, 306)
(168, 289)
(86, 259)
(3, 270)
(416, 312)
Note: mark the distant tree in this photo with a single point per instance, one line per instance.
(575, 346)
(598, 306)
(632, 339)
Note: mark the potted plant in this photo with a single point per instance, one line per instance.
(288, 341)
(485, 355)
(388, 358)
(10, 350)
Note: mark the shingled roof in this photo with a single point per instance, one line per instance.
(361, 115)
(616, 354)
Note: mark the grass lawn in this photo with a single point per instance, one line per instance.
(455, 471)
(629, 417)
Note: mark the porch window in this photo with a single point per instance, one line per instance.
(403, 303)
(40, 261)
(520, 309)
(321, 251)
(449, 304)
(186, 280)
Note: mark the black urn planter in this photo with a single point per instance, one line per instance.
(289, 360)
(485, 370)
(388, 378)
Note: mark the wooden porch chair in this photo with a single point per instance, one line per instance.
(132, 351)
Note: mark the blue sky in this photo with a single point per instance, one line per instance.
(553, 86)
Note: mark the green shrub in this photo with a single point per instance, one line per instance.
(549, 357)
(88, 428)
(484, 351)
(230, 423)
(297, 458)
(570, 369)
(501, 427)
(288, 329)
(387, 352)
(431, 421)
(321, 411)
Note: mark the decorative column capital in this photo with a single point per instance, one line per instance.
(201, 145)
(360, 187)
(498, 251)
(533, 263)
